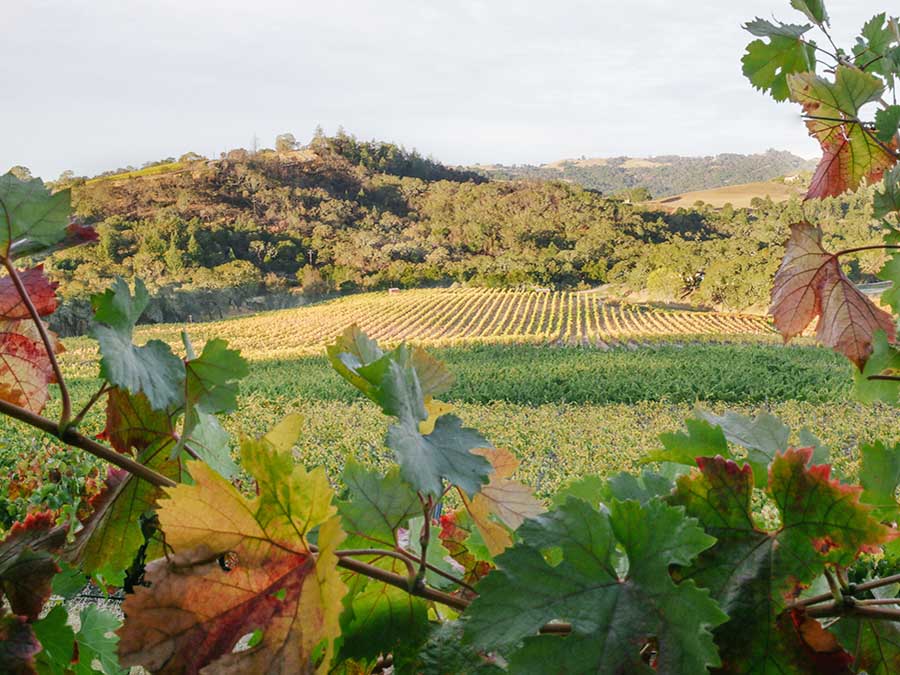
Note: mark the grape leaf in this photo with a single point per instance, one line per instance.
(392, 381)
(443, 653)
(209, 441)
(460, 538)
(376, 506)
(701, 439)
(871, 48)
(57, 642)
(509, 502)
(886, 122)
(809, 284)
(242, 565)
(875, 645)
(612, 618)
(151, 369)
(18, 645)
(879, 476)
(822, 521)
(132, 423)
(40, 289)
(29, 211)
(97, 641)
(768, 64)
(814, 10)
(27, 567)
(885, 360)
(381, 619)
(885, 201)
(851, 152)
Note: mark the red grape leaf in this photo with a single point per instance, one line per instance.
(851, 152)
(27, 567)
(18, 645)
(810, 284)
(132, 423)
(39, 288)
(752, 572)
(241, 565)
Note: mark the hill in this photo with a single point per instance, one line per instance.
(341, 215)
(663, 176)
(739, 196)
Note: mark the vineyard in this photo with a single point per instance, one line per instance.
(460, 317)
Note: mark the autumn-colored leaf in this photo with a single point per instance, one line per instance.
(241, 565)
(18, 645)
(822, 521)
(26, 564)
(810, 284)
(40, 289)
(851, 152)
(509, 501)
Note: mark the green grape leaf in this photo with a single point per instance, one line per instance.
(27, 566)
(768, 64)
(879, 475)
(30, 212)
(375, 506)
(884, 361)
(851, 153)
(151, 369)
(112, 535)
(887, 121)
(588, 488)
(211, 379)
(874, 645)
(18, 645)
(810, 283)
(429, 444)
(57, 642)
(461, 539)
(822, 521)
(209, 441)
(241, 564)
(381, 619)
(871, 48)
(444, 653)
(702, 439)
(97, 641)
(886, 201)
(762, 437)
(436, 555)
(612, 617)
(814, 10)
(132, 424)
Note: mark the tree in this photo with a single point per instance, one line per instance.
(285, 142)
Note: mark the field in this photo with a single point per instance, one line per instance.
(739, 196)
(460, 317)
(565, 411)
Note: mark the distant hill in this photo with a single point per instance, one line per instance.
(739, 196)
(664, 176)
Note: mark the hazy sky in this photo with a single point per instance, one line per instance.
(92, 85)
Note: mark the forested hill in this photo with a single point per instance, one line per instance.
(341, 215)
(662, 176)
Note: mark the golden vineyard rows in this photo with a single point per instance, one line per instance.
(455, 317)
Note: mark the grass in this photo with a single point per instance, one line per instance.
(137, 173)
(739, 196)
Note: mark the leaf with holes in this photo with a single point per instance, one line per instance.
(768, 64)
(614, 615)
(822, 521)
(851, 152)
(242, 565)
(810, 284)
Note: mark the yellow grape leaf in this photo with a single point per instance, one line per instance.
(284, 434)
(240, 566)
(507, 500)
(435, 409)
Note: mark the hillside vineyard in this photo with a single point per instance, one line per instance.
(450, 317)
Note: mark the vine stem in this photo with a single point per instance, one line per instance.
(105, 387)
(872, 247)
(45, 338)
(72, 437)
(854, 588)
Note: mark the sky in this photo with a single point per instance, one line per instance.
(92, 85)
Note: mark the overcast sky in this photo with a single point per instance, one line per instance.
(92, 85)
